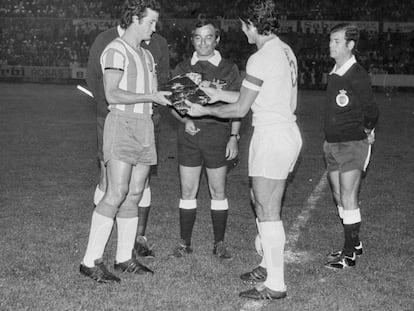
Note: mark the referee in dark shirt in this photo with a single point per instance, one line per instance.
(351, 114)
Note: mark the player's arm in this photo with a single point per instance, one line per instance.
(114, 95)
(232, 148)
(217, 95)
(239, 104)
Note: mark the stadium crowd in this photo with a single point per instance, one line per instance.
(59, 33)
(384, 10)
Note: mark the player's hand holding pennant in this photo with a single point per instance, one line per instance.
(184, 88)
(211, 92)
(161, 98)
(195, 110)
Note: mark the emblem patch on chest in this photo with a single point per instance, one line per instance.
(342, 99)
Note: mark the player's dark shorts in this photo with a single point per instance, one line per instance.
(100, 123)
(207, 147)
(129, 137)
(347, 156)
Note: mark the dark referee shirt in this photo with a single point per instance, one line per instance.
(350, 104)
(220, 70)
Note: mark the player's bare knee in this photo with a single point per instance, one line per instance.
(133, 198)
(115, 196)
(217, 194)
(188, 193)
(106, 209)
(128, 210)
(266, 212)
(349, 202)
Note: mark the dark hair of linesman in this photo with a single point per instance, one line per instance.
(351, 33)
(263, 15)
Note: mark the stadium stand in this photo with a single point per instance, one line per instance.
(58, 33)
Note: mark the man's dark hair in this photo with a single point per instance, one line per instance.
(351, 33)
(204, 22)
(263, 15)
(136, 8)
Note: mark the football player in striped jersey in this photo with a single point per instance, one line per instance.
(130, 85)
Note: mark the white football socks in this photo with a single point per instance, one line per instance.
(219, 205)
(188, 204)
(101, 227)
(352, 216)
(273, 242)
(127, 230)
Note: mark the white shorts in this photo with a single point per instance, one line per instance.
(274, 150)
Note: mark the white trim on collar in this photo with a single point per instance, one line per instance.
(215, 59)
(345, 67)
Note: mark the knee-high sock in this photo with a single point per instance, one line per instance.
(101, 227)
(219, 212)
(188, 210)
(127, 230)
(352, 224)
(273, 241)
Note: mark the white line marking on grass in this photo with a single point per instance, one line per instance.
(292, 238)
(291, 255)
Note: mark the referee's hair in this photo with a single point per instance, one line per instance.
(201, 21)
(351, 33)
(137, 8)
(263, 15)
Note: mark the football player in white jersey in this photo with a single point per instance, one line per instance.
(270, 90)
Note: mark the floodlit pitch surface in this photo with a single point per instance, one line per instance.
(49, 172)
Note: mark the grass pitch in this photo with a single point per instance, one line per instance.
(49, 172)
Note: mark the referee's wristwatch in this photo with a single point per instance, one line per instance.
(237, 136)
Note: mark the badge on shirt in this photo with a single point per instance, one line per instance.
(342, 99)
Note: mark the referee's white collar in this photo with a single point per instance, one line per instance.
(344, 68)
(215, 59)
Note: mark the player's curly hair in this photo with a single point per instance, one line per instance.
(351, 33)
(136, 8)
(203, 21)
(263, 15)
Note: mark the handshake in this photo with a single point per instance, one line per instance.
(186, 88)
